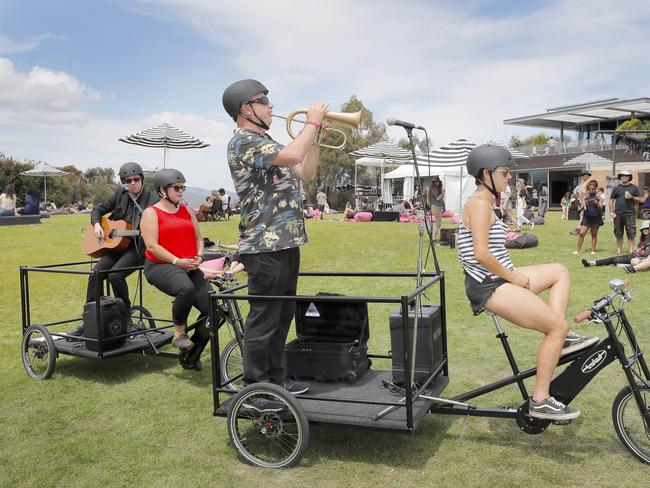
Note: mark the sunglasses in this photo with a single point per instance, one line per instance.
(506, 172)
(178, 188)
(135, 179)
(260, 100)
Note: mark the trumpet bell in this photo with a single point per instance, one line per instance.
(352, 119)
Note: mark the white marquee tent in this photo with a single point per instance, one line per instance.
(448, 162)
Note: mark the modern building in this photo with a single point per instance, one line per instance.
(592, 145)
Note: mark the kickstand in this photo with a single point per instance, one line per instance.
(462, 432)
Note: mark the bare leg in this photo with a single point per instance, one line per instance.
(531, 312)
(581, 238)
(630, 245)
(179, 330)
(553, 277)
(619, 245)
(594, 238)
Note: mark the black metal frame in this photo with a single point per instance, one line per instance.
(582, 367)
(58, 268)
(404, 301)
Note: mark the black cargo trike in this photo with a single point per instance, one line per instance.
(269, 427)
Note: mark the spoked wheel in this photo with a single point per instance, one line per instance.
(267, 426)
(232, 365)
(631, 427)
(38, 352)
(142, 318)
(528, 424)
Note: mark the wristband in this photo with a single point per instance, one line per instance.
(174, 261)
(200, 256)
(315, 123)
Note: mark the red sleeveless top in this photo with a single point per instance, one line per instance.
(175, 233)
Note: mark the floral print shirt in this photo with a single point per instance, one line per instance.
(271, 210)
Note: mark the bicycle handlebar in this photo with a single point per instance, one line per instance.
(602, 303)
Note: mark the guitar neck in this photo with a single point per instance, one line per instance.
(125, 233)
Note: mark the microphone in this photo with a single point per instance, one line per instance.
(401, 123)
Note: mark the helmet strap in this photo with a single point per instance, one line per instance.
(165, 196)
(491, 189)
(259, 123)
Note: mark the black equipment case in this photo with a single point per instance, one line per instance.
(115, 317)
(332, 341)
(429, 350)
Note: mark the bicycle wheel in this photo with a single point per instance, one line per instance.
(141, 318)
(631, 427)
(232, 365)
(267, 426)
(38, 352)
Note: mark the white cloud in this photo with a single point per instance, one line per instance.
(43, 95)
(7, 46)
(446, 65)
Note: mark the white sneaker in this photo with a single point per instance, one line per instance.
(575, 342)
(575, 253)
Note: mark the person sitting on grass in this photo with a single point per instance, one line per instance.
(493, 283)
(638, 260)
(8, 202)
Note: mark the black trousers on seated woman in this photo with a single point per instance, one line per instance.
(622, 259)
(189, 289)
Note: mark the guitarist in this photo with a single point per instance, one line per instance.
(126, 203)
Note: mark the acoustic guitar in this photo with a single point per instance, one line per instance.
(117, 237)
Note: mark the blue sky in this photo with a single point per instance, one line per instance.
(77, 75)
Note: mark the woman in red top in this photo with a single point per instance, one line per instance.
(174, 253)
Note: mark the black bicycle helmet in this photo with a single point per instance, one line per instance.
(240, 92)
(490, 157)
(130, 169)
(167, 177)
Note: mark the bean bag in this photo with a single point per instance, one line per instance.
(363, 216)
(537, 220)
(456, 219)
(448, 213)
(404, 218)
(522, 241)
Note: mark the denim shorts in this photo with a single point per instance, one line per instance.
(479, 292)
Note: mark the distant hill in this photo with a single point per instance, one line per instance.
(196, 196)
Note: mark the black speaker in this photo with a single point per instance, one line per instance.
(115, 317)
(429, 350)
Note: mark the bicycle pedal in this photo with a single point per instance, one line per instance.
(562, 422)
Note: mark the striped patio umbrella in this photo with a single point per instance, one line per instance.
(383, 150)
(44, 170)
(165, 136)
(587, 159)
(453, 154)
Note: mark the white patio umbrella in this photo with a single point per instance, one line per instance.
(44, 170)
(587, 159)
(165, 136)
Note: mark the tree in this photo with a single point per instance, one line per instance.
(634, 124)
(514, 141)
(421, 144)
(337, 166)
(536, 140)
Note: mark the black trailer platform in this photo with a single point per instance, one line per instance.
(340, 409)
(137, 343)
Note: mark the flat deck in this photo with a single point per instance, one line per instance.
(140, 342)
(367, 388)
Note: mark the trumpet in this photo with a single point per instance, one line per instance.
(351, 119)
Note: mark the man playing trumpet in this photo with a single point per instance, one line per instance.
(267, 178)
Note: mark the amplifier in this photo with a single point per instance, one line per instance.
(429, 349)
(115, 317)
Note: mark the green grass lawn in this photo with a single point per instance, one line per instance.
(144, 421)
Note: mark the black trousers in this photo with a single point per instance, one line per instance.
(189, 289)
(268, 322)
(117, 280)
(622, 259)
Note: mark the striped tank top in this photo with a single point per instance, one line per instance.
(496, 246)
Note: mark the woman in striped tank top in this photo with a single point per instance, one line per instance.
(492, 282)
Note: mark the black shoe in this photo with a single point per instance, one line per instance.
(575, 342)
(551, 409)
(629, 269)
(585, 263)
(296, 387)
(574, 232)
